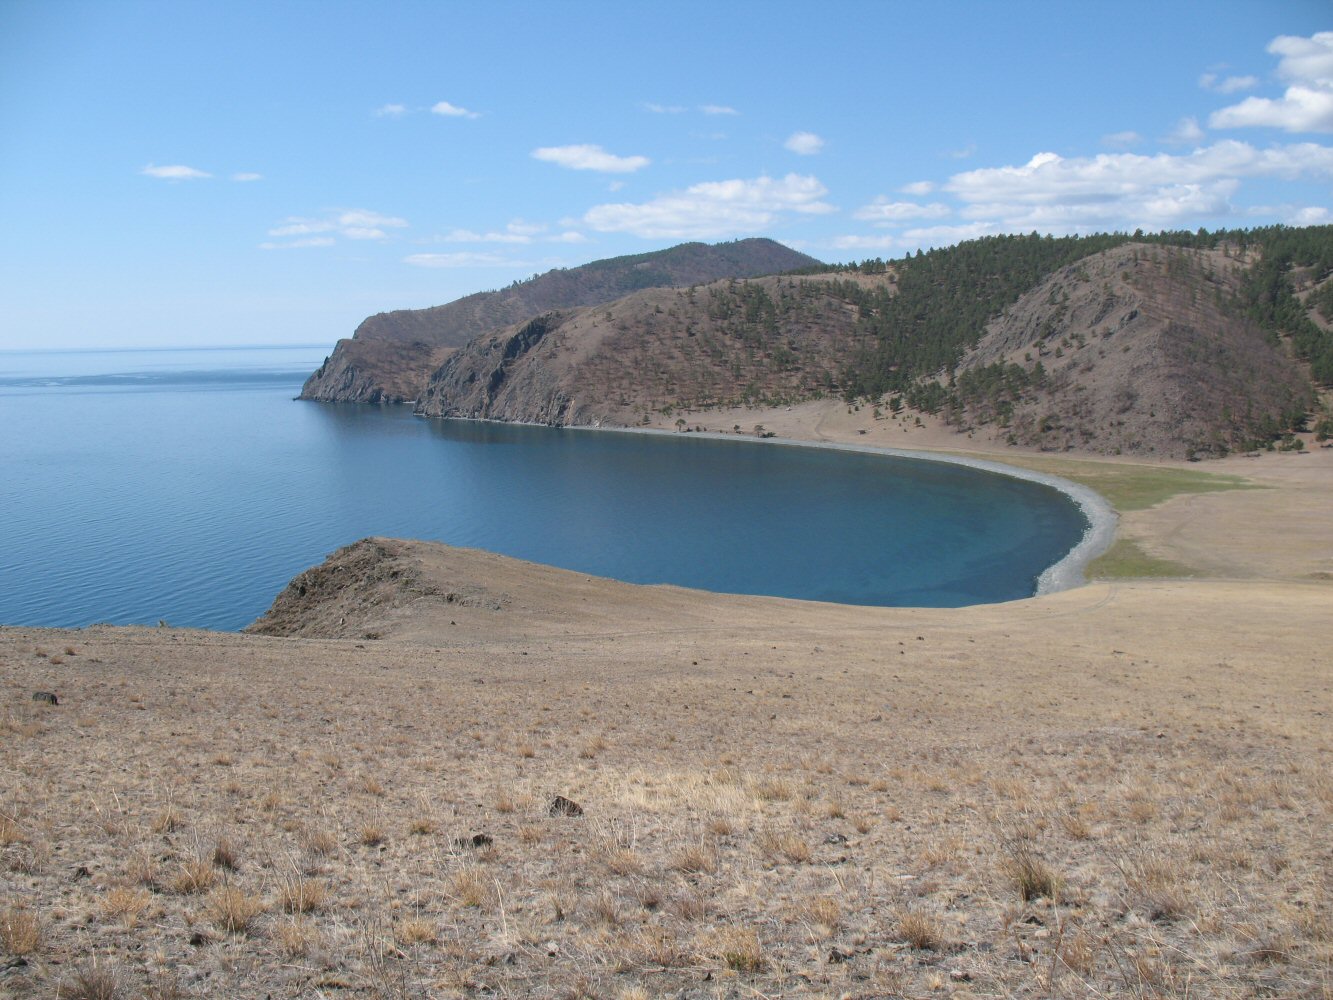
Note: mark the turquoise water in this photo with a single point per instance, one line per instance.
(189, 486)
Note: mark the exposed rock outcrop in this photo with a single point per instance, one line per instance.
(391, 354)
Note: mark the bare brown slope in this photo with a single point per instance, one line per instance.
(1144, 352)
(761, 340)
(363, 369)
(374, 371)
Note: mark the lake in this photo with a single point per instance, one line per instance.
(188, 486)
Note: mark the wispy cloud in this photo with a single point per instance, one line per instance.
(461, 259)
(391, 111)
(714, 209)
(452, 110)
(589, 157)
(1227, 84)
(1185, 133)
(1122, 140)
(804, 143)
(664, 109)
(351, 224)
(1307, 103)
(918, 188)
(301, 244)
(718, 109)
(882, 211)
(177, 172)
(246, 178)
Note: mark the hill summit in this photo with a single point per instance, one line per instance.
(392, 354)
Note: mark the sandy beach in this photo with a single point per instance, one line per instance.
(1120, 789)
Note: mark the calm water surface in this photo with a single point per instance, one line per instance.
(188, 486)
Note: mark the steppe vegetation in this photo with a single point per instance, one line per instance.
(1116, 791)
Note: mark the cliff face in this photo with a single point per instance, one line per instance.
(761, 340)
(1137, 350)
(358, 372)
(374, 371)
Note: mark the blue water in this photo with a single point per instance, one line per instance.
(189, 486)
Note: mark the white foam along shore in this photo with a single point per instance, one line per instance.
(1063, 575)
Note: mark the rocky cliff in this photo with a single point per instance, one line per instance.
(391, 354)
(733, 342)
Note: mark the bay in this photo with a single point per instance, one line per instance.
(189, 486)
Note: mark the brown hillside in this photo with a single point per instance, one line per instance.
(372, 372)
(1144, 352)
(762, 340)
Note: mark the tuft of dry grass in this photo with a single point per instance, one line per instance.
(693, 859)
(169, 819)
(470, 886)
(125, 904)
(296, 937)
(224, 854)
(739, 949)
(319, 842)
(1156, 885)
(10, 831)
(232, 910)
(422, 826)
(194, 875)
(93, 981)
(371, 834)
(920, 930)
(415, 930)
(778, 847)
(299, 894)
(20, 930)
(1030, 875)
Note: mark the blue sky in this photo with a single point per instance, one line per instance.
(201, 174)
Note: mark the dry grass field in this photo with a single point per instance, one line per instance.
(1122, 790)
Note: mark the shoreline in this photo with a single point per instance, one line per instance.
(1065, 574)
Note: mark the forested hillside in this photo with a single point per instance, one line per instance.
(1176, 344)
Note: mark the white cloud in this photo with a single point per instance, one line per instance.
(866, 242)
(245, 178)
(965, 153)
(718, 109)
(918, 188)
(1300, 109)
(714, 209)
(568, 236)
(589, 157)
(1307, 104)
(1185, 133)
(1126, 190)
(804, 143)
(451, 110)
(1122, 140)
(1227, 85)
(664, 109)
(312, 241)
(443, 260)
(177, 172)
(516, 232)
(943, 236)
(884, 212)
(390, 111)
(352, 224)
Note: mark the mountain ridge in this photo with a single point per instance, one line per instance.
(364, 369)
